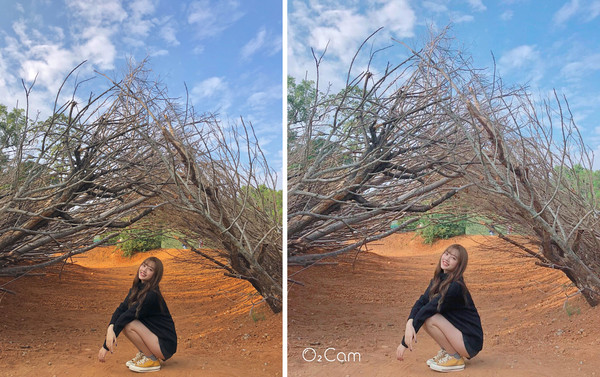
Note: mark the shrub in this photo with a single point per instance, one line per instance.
(136, 241)
(437, 227)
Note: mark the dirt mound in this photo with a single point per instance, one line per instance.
(56, 323)
(348, 319)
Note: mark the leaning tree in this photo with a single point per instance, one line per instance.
(82, 172)
(531, 169)
(380, 150)
(220, 188)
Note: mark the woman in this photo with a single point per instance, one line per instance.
(448, 313)
(145, 320)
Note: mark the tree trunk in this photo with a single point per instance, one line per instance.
(584, 278)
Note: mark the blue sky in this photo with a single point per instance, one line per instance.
(546, 44)
(227, 52)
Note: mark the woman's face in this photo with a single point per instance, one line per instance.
(449, 260)
(146, 271)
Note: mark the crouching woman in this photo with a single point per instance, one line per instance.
(145, 320)
(448, 314)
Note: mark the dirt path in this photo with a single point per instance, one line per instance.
(360, 307)
(56, 324)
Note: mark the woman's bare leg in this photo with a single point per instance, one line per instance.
(446, 335)
(144, 339)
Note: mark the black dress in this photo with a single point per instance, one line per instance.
(462, 315)
(154, 314)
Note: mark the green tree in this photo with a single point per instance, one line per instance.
(11, 125)
(300, 98)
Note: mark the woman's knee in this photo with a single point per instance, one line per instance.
(131, 326)
(432, 321)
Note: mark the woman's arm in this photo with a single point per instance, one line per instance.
(452, 300)
(110, 340)
(149, 306)
(421, 301)
(410, 335)
(109, 344)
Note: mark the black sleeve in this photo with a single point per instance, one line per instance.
(150, 306)
(124, 314)
(425, 308)
(420, 303)
(453, 300)
(120, 309)
(117, 313)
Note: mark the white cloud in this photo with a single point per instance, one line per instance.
(341, 27)
(459, 18)
(566, 12)
(582, 67)
(587, 11)
(523, 62)
(477, 5)
(264, 98)
(100, 51)
(197, 50)
(507, 15)
(137, 24)
(209, 87)
(211, 17)
(519, 57)
(142, 7)
(397, 15)
(47, 65)
(98, 12)
(594, 10)
(434, 7)
(168, 33)
(254, 44)
(161, 52)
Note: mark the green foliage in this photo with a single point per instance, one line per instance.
(11, 125)
(300, 98)
(267, 200)
(586, 180)
(435, 227)
(170, 242)
(111, 238)
(139, 240)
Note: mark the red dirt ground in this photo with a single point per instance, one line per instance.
(56, 323)
(361, 306)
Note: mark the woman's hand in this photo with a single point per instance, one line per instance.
(410, 336)
(400, 352)
(102, 354)
(111, 339)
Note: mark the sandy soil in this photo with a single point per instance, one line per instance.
(56, 323)
(351, 316)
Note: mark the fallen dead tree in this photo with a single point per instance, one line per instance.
(380, 150)
(221, 188)
(81, 173)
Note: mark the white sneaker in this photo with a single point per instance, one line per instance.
(145, 365)
(448, 363)
(441, 353)
(135, 359)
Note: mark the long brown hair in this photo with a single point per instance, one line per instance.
(139, 291)
(440, 286)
